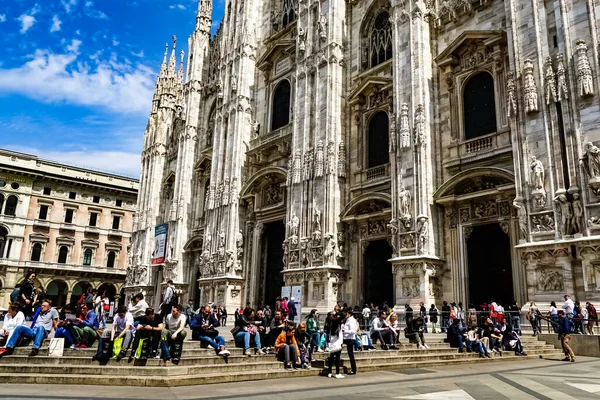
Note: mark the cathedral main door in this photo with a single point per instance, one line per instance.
(379, 278)
(489, 265)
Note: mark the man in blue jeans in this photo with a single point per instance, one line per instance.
(40, 329)
(203, 327)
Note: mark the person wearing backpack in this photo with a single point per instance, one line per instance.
(592, 317)
(564, 334)
(169, 300)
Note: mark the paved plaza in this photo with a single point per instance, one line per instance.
(536, 379)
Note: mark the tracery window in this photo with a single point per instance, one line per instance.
(378, 140)
(289, 12)
(281, 105)
(479, 106)
(380, 40)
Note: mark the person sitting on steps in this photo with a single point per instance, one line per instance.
(174, 334)
(456, 335)
(85, 330)
(122, 328)
(149, 328)
(203, 325)
(414, 332)
(381, 331)
(246, 330)
(474, 342)
(286, 347)
(40, 330)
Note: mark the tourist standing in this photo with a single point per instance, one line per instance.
(445, 316)
(349, 333)
(433, 317)
(564, 334)
(333, 327)
(169, 300)
(534, 317)
(568, 306)
(592, 317)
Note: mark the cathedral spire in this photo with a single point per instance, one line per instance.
(204, 16)
(163, 67)
(180, 72)
(172, 61)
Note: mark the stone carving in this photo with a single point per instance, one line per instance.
(233, 192)
(577, 213)
(301, 40)
(307, 172)
(410, 287)
(218, 195)
(420, 125)
(239, 245)
(290, 171)
(404, 127)
(233, 83)
(331, 162)
(504, 226)
(530, 87)
(273, 194)
(225, 195)
(392, 129)
(551, 281)
(221, 248)
(330, 253)
(322, 27)
(342, 160)
(584, 70)
(293, 230)
(404, 201)
(522, 213)
(407, 241)
(591, 164)
(452, 8)
(485, 209)
(284, 246)
(304, 253)
(594, 222)
(566, 212)
(550, 82)
(511, 97)
(230, 262)
(422, 234)
(316, 225)
(319, 160)
(537, 181)
(297, 177)
(544, 223)
(562, 90)
(169, 272)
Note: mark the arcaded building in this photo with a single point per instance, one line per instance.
(403, 151)
(69, 225)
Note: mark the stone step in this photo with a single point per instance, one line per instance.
(116, 379)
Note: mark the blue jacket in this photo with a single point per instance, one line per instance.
(564, 326)
(91, 320)
(196, 322)
(35, 316)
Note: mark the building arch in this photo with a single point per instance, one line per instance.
(376, 34)
(57, 291)
(257, 180)
(36, 251)
(364, 200)
(63, 254)
(78, 289)
(479, 105)
(110, 288)
(11, 205)
(3, 240)
(453, 185)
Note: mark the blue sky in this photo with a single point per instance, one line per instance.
(76, 76)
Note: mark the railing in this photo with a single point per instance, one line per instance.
(477, 145)
(381, 171)
(92, 229)
(269, 136)
(67, 226)
(41, 222)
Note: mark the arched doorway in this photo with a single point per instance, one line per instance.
(79, 289)
(273, 261)
(110, 289)
(378, 275)
(57, 291)
(490, 267)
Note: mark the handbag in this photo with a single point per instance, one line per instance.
(106, 307)
(335, 344)
(139, 350)
(252, 329)
(117, 345)
(364, 340)
(57, 347)
(235, 330)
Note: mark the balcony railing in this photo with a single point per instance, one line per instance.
(481, 144)
(41, 222)
(270, 136)
(115, 232)
(473, 150)
(380, 171)
(66, 226)
(92, 229)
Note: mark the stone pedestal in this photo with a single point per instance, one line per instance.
(418, 279)
(321, 287)
(223, 290)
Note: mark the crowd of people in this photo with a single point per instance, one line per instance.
(487, 329)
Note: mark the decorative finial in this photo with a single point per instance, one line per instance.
(166, 53)
(174, 42)
(181, 54)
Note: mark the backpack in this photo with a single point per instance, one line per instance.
(14, 296)
(174, 299)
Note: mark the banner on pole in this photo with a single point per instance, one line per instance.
(160, 244)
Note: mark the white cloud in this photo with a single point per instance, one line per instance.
(140, 54)
(116, 162)
(180, 6)
(115, 42)
(68, 5)
(27, 22)
(74, 46)
(55, 24)
(119, 87)
(93, 13)
(2, 17)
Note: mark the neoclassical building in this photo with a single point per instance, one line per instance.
(69, 225)
(371, 150)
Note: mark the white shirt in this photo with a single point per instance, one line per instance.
(120, 323)
(174, 324)
(366, 312)
(568, 306)
(350, 328)
(11, 323)
(379, 324)
(553, 310)
(139, 309)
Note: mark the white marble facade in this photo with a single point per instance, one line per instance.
(224, 155)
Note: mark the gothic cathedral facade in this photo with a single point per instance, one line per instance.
(399, 151)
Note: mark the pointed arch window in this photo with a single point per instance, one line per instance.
(281, 105)
(479, 106)
(378, 140)
(3, 240)
(210, 129)
(110, 261)
(1, 202)
(11, 206)
(380, 40)
(63, 252)
(36, 252)
(289, 12)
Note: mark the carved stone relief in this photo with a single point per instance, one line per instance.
(561, 76)
(542, 223)
(585, 82)
(404, 127)
(591, 164)
(342, 160)
(550, 280)
(550, 82)
(410, 287)
(530, 87)
(273, 194)
(420, 125)
(537, 181)
(319, 160)
(511, 97)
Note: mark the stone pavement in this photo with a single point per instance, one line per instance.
(533, 379)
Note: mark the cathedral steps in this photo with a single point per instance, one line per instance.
(201, 366)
